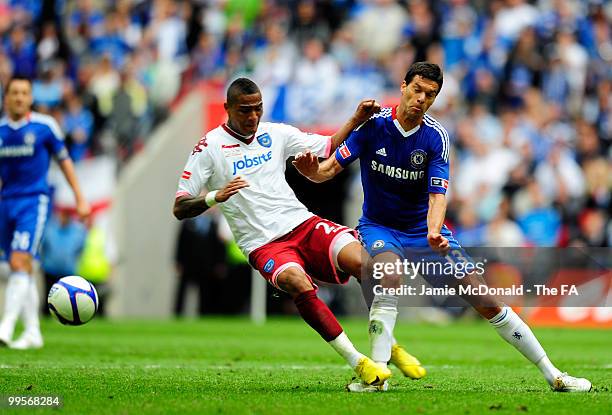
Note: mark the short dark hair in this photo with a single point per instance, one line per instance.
(16, 78)
(426, 70)
(241, 86)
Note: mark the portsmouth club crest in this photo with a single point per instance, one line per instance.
(418, 159)
(265, 140)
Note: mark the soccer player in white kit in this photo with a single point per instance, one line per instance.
(242, 165)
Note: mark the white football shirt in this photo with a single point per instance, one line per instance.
(268, 208)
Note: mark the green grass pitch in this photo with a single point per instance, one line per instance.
(230, 366)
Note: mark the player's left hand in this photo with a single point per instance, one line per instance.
(306, 163)
(365, 110)
(438, 243)
(83, 209)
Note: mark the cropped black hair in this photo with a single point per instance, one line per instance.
(241, 86)
(426, 70)
(16, 78)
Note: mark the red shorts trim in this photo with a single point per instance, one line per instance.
(308, 247)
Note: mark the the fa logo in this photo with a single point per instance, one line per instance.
(517, 335)
(417, 159)
(200, 146)
(53, 289)
(344, 151)
(265, 140)
(29, 139)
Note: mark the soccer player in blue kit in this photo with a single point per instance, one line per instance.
(404, 161)
(28, 140)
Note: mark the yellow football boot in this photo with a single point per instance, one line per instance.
(407, 363)
(371, 372)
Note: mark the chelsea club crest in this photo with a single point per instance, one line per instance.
(418, 159)
(265, 140)
(29, 139)
(379, 243)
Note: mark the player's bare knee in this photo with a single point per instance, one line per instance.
(20, 262)
(294, 281)
(351, 260)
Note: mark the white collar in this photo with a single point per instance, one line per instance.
(404, 132)
(15, 125)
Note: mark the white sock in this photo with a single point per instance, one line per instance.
(15, 296)
(30, 310)
(514, 330)
(345, 348)
(383, 314)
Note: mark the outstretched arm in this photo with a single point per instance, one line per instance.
(82, 207)
(308, 165)
(190, 206)
(364, 111)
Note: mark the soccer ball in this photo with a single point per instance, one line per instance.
(73, 300)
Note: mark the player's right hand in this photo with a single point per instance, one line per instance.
(365, 110)
(230, 189)
(83, 209)
(306, 163)
(438, 243)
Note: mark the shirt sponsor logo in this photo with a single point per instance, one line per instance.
(269, 265)
(17, 151)
(265, 140)
(397, 172)
(418, 158)
(439, 182)
(344, 151)
(248, 162)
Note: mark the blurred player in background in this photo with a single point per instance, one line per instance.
(404, 165)
(28, 140)
(242, 164)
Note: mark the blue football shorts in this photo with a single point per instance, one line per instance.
(22, 223)
(438, 269)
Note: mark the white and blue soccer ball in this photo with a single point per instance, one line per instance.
(73, 300)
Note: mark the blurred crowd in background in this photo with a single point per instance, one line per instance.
(526, 99)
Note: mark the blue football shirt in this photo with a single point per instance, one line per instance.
(398, 168)
(26, 148)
